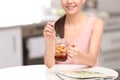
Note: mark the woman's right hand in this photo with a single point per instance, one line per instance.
(49, 31)
(49, 35)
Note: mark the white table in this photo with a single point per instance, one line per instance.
(34, 72)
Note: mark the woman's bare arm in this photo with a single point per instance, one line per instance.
(49, 35)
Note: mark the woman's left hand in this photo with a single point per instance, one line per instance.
(73, 51)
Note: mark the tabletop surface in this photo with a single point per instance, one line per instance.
(36, 72)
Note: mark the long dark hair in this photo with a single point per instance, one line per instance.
(59, 26)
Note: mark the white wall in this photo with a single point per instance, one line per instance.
(17, 12)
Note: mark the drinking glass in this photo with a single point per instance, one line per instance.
(60, 49)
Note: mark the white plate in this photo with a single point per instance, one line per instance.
(106, 71)
(63, 67)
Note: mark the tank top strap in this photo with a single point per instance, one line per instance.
(90, 23)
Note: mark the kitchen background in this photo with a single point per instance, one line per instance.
(22, 23)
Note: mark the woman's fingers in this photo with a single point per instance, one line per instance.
(73, 51)
(51, 24)
(49, 29)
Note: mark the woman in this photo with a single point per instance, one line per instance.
(84, 32)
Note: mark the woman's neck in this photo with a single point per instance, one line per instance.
(74, 19)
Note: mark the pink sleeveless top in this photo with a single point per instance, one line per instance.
(82, 42)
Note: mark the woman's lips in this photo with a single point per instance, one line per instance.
(70, 7)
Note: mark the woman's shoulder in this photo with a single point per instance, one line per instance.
(97, 19)
(98, 24)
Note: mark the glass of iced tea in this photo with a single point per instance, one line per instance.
(60, 50)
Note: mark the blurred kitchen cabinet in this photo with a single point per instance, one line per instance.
(110, 50)
(110, 47)
(10, 47)
(32, 36)
(107, 5)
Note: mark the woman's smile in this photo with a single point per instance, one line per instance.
(69, 8)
